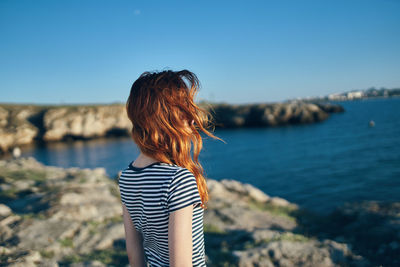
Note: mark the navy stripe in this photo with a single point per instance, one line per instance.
(150, 195)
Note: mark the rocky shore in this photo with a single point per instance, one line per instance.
(52, 216)
(25, 124)
(271, 115)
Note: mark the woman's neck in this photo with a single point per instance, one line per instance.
(143, 160)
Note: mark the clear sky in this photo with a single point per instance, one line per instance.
(83, 51)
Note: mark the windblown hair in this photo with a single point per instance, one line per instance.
(166, 120)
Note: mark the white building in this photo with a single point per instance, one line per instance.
(355, 95)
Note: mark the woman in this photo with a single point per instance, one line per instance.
(164, 192)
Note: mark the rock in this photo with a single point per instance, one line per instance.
(4, 210)
(256, 193)
(26, 258)
(75, 211)
(24, 124)
(16, 152)
(244, 190)
(367, 226)
(88, 264)
(23, 184)
(233, 185)
(289, 253)
(84, 122)
(74, 217)
(21, 135)
(3, 117)
(280, 202)
(275, 114)
(234, 205)
(330, 108)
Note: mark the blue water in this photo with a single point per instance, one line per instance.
(318, 166)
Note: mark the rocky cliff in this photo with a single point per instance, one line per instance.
(24, 124)
(52, 216)
(269, 115)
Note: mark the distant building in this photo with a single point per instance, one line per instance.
(385, 93)
(357, 94)
(336, 97)
(354, 95)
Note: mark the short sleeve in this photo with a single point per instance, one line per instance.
(122, 197)
(183, 191)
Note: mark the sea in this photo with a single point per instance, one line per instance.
(318, 166)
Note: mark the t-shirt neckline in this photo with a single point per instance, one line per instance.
(142, 168)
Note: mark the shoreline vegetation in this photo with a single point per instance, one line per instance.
(24, 124)
(52, 216)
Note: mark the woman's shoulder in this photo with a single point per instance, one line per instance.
(179, 172)
(156, 167)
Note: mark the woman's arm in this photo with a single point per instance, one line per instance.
(180, 237)
(134, 241)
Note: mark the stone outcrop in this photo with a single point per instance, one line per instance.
(24, 124)
(84, 122)
(50, 213)
(269, 115)
(15, 129)
(249, 228)
(372, 227)
(51, 216)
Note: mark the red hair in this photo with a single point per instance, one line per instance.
(166, 120)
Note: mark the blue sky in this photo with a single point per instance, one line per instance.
(57, 52)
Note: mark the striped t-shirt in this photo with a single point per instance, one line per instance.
(150, 194)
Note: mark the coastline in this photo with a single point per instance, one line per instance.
(57, 217)
(21, 125)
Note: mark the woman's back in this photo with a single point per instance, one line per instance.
(151, 194)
